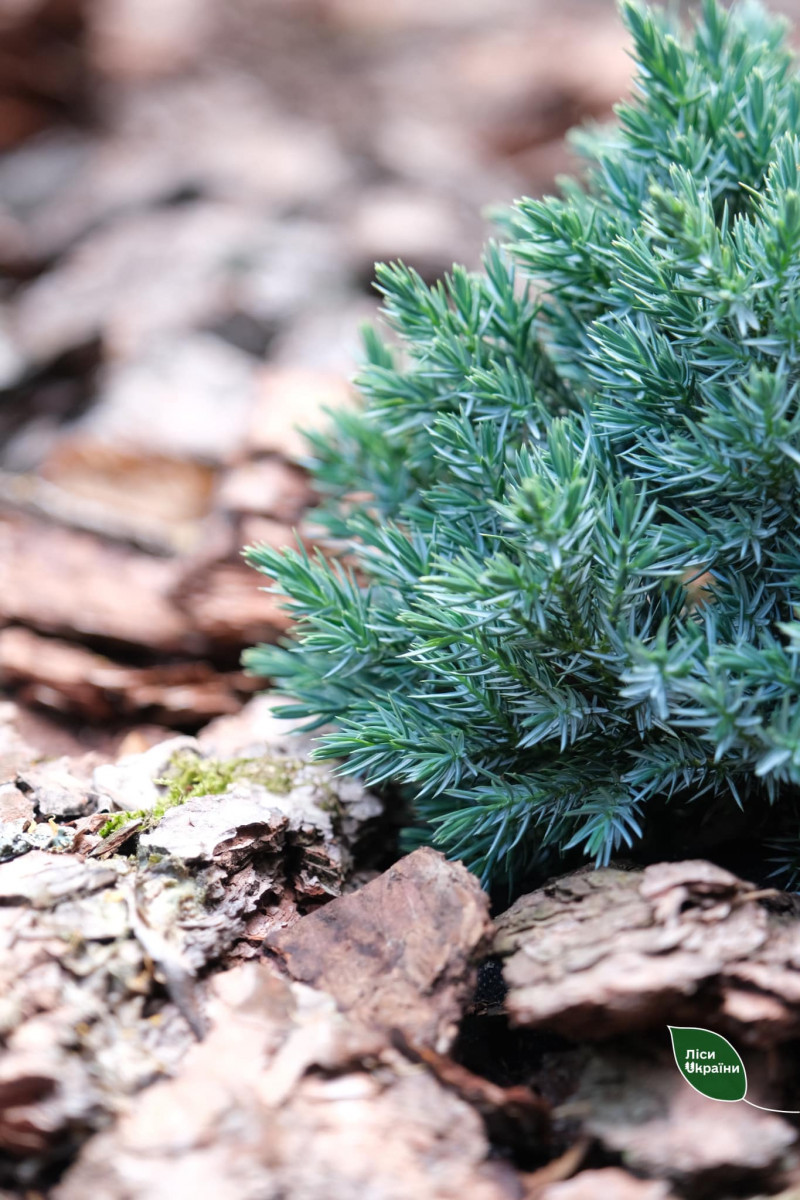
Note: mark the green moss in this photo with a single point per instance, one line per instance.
(118, 820)
(187, 775)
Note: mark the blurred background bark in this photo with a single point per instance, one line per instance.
(192, 199)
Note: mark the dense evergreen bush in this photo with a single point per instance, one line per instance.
(566, 618)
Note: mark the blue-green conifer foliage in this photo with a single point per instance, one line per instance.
(561, 611)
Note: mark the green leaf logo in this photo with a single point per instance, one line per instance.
(709, 1063)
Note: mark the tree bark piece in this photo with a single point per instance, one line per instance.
(102, 960)
(59, 581)
(637, 1105)
(72, 680)
(398, 953)
(600, 953)
(610, 1183)
(288, 1097)
(60, 787)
